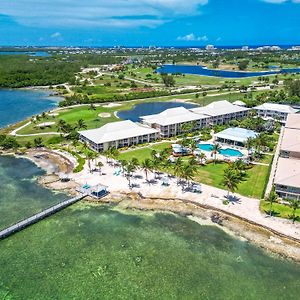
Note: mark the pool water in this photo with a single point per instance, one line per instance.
(231, 152)
(225, 152)
(205, 147)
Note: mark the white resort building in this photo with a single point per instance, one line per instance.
(235, 136)
(171, 121)
(221, 112)
(163, 125)
(117, 135)
(287, 177)
(274, 111)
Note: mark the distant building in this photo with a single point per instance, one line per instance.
(274, 111)
(117, 135)
(210, 47)
(287, 176)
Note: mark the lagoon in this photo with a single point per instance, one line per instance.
(150, 108)
(17, 105)
(100, 252)
(35, 53)
(200, 70)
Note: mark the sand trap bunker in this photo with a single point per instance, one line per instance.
(46, 124)
(104, 115)
(109, 105)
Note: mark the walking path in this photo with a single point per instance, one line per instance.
(14, 132)
(274, 164)
(39, 216)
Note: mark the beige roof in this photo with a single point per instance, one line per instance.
(171, 116)
(117, 131)
(293, 121)
(219, 108)
(291, 140)
(288, 172)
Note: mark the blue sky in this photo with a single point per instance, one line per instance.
(149, 22)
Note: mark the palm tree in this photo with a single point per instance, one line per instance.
(239, 165)
(129, 169)
(165, 153)
(147, 166)
(249, 144)
(60, 126)
(294, 205)
(216, 148)
(178, 166)
(100, 165)
(156, 164)
(188, 171)
(231, 180)
(90, 156)
(272, 198)
(153, 154)
(123, 163)
(81, 124)
(114, 153)
(202, 156)
(135, 162)
(193, 145)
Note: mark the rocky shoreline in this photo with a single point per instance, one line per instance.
(270, 240)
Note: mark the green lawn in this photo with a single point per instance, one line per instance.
(279, 210)
(72, 115)
(143, 153)
(212, 174)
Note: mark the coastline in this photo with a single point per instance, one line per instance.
(265, 237)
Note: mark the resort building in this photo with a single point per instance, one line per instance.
(287, 177)
(171, 121)
(168, 123)
(117, 135)
(221, 112)
(274, 111)
(235, 136)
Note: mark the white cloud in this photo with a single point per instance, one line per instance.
(55, 35)
(281, 1)
(91, 13)
(192, 38)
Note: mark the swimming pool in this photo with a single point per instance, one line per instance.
(231, 152)
(225, 152)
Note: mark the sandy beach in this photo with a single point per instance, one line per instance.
(241, 216)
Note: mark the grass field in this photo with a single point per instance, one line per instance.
(212, 174)
(143, 153)
(279, 210)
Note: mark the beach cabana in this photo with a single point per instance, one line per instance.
(179, 150)
(99, 191)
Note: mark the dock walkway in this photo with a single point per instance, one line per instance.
(39, 216)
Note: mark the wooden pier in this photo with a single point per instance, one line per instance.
(39, 216)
